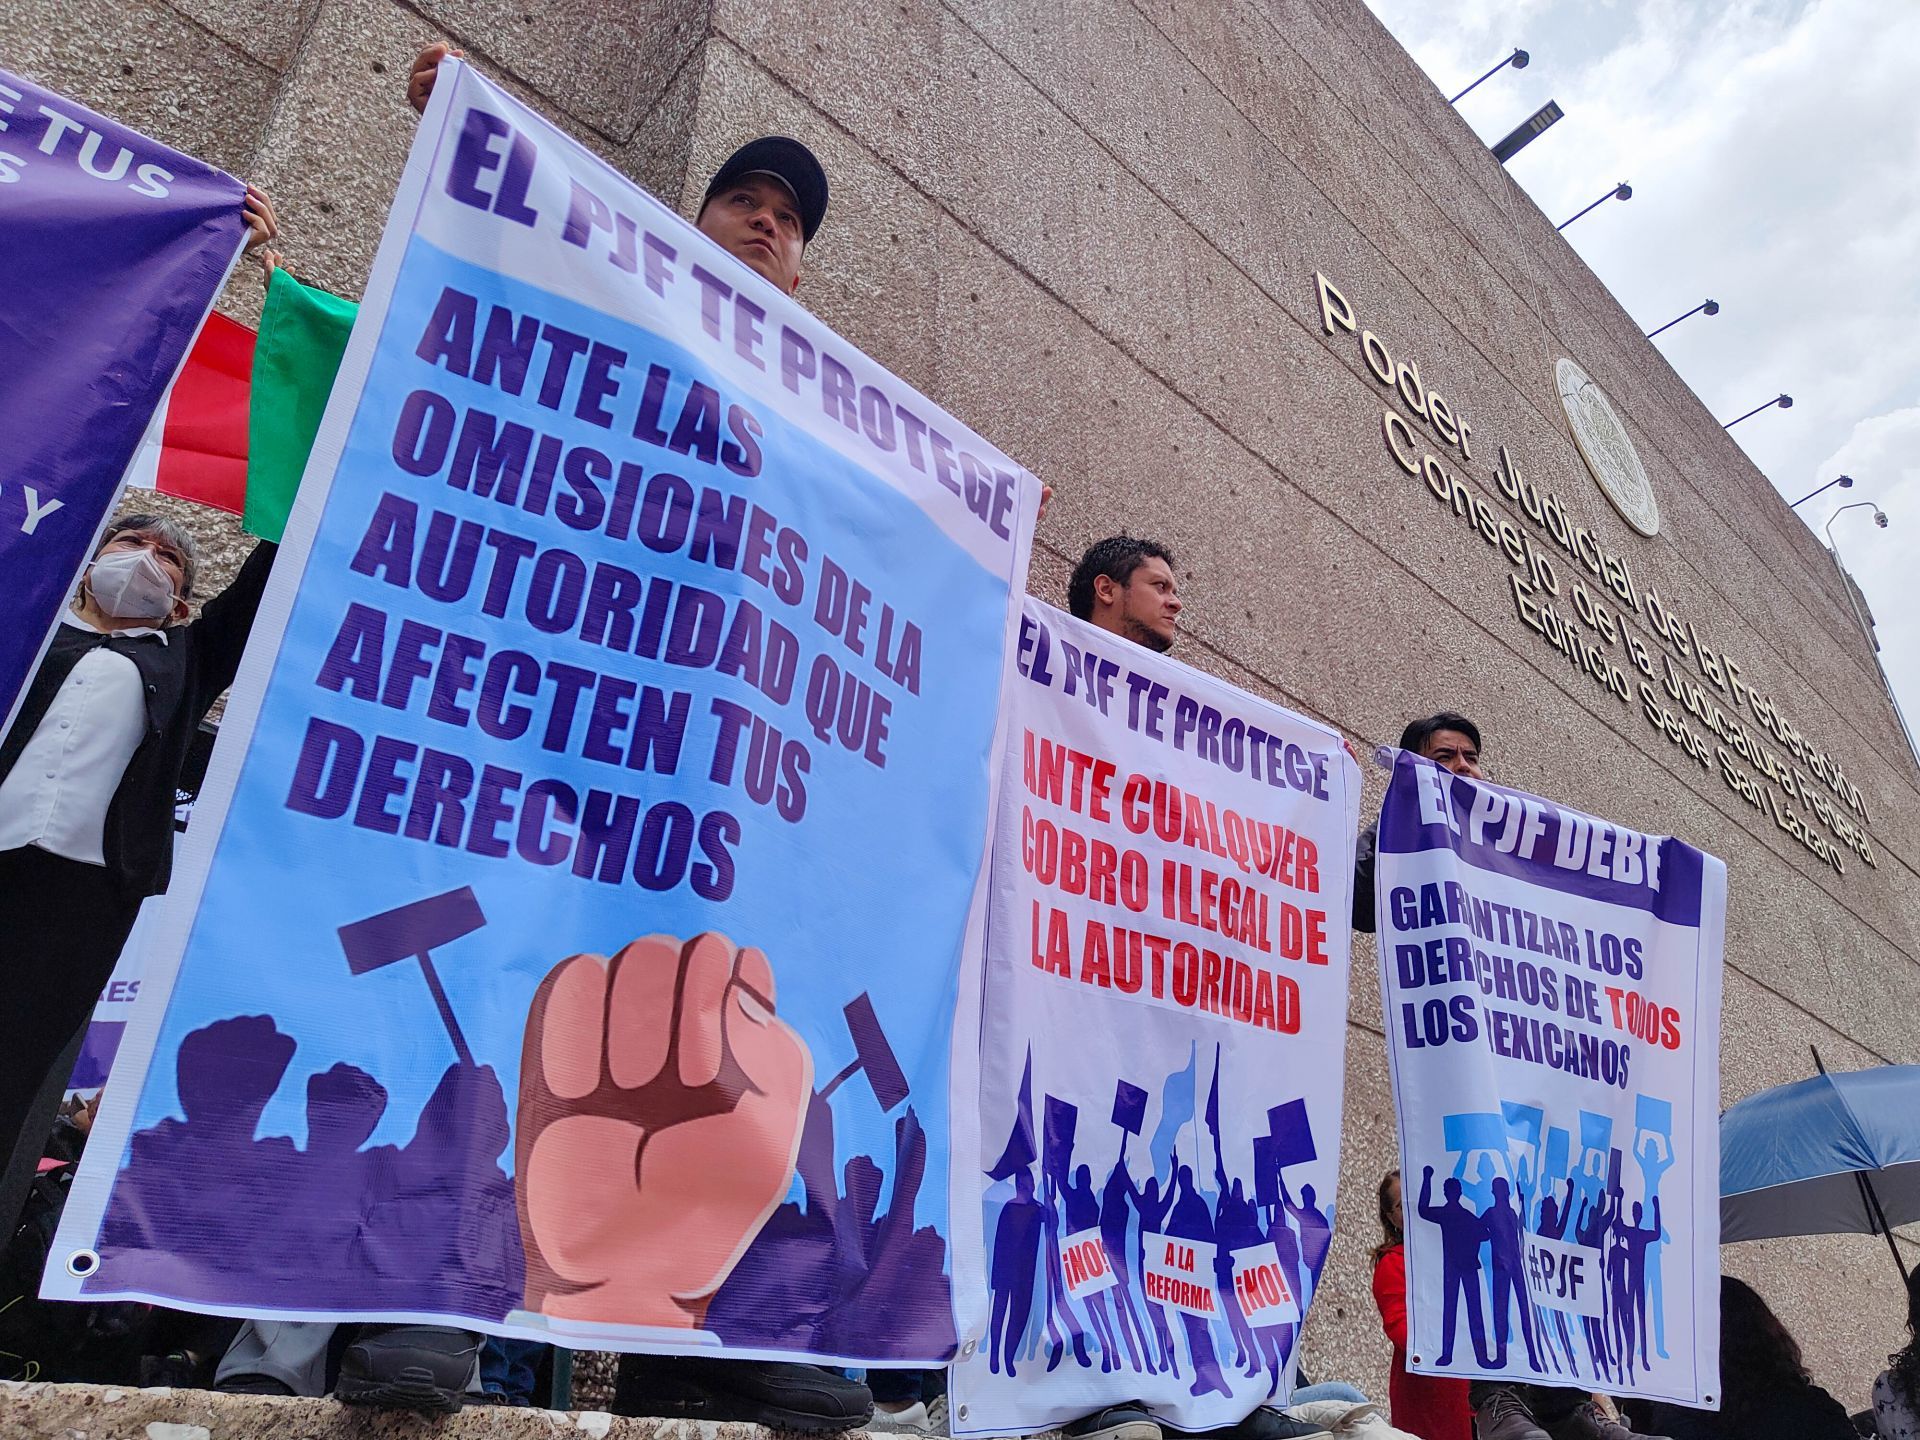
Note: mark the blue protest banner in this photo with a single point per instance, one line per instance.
(544, 959)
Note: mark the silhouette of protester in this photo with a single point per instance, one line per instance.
(1059, 1303)
(903, 1263)
(1655, 1159)
(1083, 1213)
(1619, 1267)
(1527, 1195)
(1637, 1242)
(164, 1203)
(1286, 1245)
(1236, 1227)
(1553, 1225)
(1191, 1220)
(1117, 1201)
(1153, 1214)
(1590, 1230)
(647, 1162)
(1016, 1256)
(1275, 1341)
(1316, 1235)
(344, 1106)
(448, 1213)
(831, 1275)
(1461, 1235)
(1509, 1284)
(1235, 1224)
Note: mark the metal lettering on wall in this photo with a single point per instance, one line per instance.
(1687, 690)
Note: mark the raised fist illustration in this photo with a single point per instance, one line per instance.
(661, 1105)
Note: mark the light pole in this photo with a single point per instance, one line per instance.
(1622, 191)
(1785, 402)
(1526, 132)
(1866, 631)
(1518, 60)
(1706, 307)
(1845, 482)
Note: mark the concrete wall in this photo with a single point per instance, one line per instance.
(1092, 231)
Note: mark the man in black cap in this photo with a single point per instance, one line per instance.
(761, 207)
(1502, 1410)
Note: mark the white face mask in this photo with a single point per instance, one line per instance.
(130, 585)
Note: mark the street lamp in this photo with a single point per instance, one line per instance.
(1873, 645)
(1845, 482)
(1622, 191)
(1785, 402)
(1705, 307)
(1518, 60)
(1526, 132)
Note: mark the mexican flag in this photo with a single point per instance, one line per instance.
(196, 445)
(303, 334)
(235, 429)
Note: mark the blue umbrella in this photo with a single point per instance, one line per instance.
(1838, 1154)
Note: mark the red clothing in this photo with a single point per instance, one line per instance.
(1429, 1406)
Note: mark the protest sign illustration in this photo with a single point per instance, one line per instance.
(1161, 1043)
(1551, 984)
(116, 248)
(568, 943)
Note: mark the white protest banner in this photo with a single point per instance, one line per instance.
(1551, 984)
(625, 611)
(1162, 1039)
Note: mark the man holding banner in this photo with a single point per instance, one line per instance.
(1548, 977)
(1157, 883)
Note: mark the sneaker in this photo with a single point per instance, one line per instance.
(1590, 1422)
(1129, 1421)
(913, 1420)
(409, 1367)
(176, 1370)
(919, 1418)
(777, 1394)
(1265, 1423)
(249, 1385)
(1503, 1415)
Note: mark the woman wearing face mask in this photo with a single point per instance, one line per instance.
(87, 778)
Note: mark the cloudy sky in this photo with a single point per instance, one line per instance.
(1773, 147)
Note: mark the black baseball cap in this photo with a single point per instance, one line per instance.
(789, 162)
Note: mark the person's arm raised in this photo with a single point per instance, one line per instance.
(224, 624)
(257, 210)
(426, 66)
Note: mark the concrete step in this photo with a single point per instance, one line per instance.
(103, 1412)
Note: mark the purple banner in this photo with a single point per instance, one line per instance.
(1511, 833)
(115, 246)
